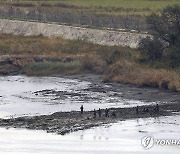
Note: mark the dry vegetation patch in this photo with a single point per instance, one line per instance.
(40, 56)
(129, 73)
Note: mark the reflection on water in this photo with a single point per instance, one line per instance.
(21, 95)
(122, 137)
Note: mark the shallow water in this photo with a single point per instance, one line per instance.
(122, 137)
(21, 95)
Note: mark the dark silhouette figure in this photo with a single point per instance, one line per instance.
(137, 110)
(106, 112)
(94, 113)
(99, 112)
(82, 109)
(156, 108)
(113, 114)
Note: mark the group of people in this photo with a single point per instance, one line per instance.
(99, 112)
(156, 109)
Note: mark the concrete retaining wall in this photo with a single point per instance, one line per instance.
(104, 37)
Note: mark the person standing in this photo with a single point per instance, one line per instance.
(94, 113)
(106, 112)
(157, 107)
(99, 112)
(114, 114)
(82, 109)
(137, 110)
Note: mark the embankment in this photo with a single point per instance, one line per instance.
(103, 37)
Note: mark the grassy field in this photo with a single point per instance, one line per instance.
(115, 7)
(138, 4)
(124, 7)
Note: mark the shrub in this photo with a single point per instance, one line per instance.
(93, 64)
(112, 54)
(165, 26)
(151, 49)
(175, 57)
(108, 55)
(121, 67)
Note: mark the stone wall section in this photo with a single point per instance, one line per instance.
(103, 37)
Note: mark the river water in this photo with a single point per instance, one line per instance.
(121, 137)
(21, 95)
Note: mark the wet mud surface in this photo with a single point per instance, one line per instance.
(146, 94)
(66, 122)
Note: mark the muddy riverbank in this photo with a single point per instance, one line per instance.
(127, 91)
(66, 122)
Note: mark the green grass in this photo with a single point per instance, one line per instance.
(51, 68)
(139, 4)
(139, 7)
(115, 7)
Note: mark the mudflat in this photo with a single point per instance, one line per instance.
(66, 122)
(131, 92)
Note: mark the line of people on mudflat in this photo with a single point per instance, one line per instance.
(156, 109)
(99, 112)
(113, 114)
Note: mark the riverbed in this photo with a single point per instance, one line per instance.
(30, 96)
(22, 96)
